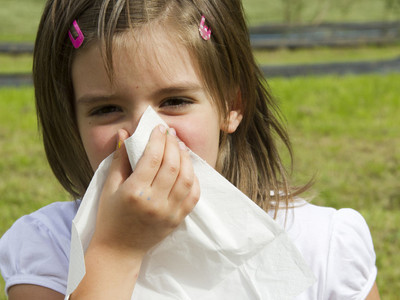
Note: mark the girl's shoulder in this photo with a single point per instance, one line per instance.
(37, 244)
(324, 225)
(54, 219)
(338, 247)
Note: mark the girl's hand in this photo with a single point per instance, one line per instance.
(137, 210)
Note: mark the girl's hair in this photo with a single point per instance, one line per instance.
(249, 157)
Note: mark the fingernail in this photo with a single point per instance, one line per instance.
(182, 146)
(119, 142)
(172, 131)
(162, 128)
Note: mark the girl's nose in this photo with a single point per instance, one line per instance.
(134, 119)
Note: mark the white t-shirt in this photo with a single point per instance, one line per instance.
(336, 244)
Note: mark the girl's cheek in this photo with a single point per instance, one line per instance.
(202, 141)
(99, 143)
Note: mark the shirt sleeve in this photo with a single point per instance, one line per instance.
(351, 260)
(30, 253)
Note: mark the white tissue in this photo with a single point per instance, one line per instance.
(226, 248)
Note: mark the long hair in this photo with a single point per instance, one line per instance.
(249, 157)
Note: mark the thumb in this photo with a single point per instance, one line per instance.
(122, 135)
(120, 168)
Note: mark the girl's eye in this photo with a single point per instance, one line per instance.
(105, 110)
(175, 102)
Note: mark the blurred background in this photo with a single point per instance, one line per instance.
(334, 65)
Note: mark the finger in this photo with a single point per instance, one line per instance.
(120, 168)
(184, 181)
(191, 200)
(150, 162)
(170, 167)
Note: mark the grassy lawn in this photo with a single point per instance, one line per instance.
(314, 11)
(19, 19)
(344, 131)
(15, 63)
(325, 55)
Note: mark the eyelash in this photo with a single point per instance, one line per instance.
(104, 110)
(176, 103)
(170, 103)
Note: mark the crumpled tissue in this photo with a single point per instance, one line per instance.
(226, 248)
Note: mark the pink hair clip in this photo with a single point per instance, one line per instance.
(204, 31)
(79, 39)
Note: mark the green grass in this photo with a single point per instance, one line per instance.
(324, 55)
(15, 63)
(344, 131)
(314, 11)
(19, 19)
(346, 128)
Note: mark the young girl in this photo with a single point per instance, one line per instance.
(97, 65)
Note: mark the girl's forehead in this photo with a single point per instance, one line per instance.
(156, 58)
(155, 51)
(148, 47)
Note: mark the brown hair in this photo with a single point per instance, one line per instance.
(249, 157)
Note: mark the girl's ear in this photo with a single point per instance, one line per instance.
(235, 116)
(234, 119)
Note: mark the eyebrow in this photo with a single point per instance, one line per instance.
(179, 88)
(94, 98)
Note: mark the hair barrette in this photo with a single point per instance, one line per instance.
(205, 32)
(79, 39)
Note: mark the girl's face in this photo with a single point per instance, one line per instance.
(158, 72)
